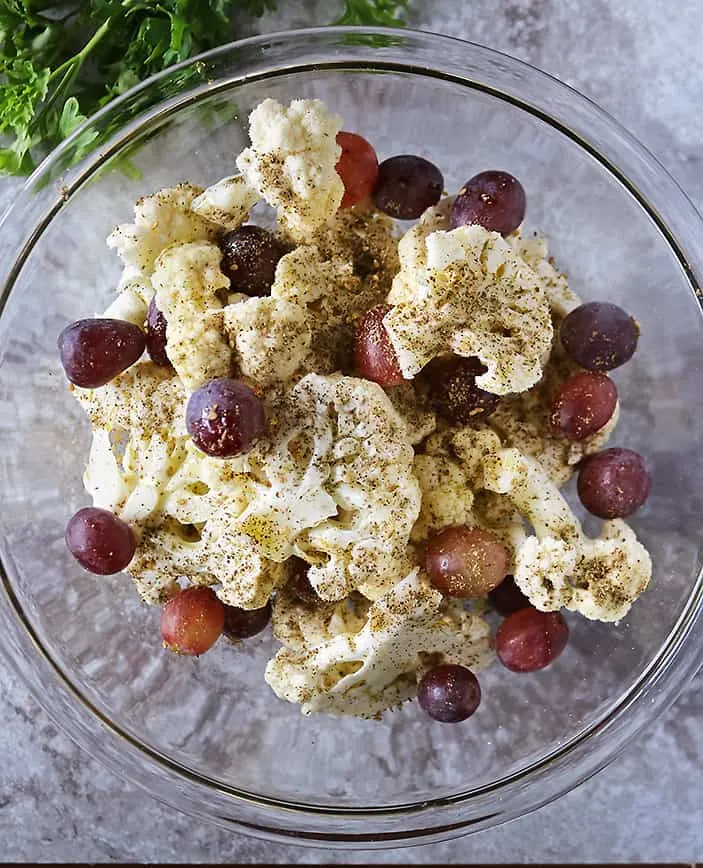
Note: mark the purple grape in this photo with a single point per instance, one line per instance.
(494, 200)
(406, 185)
(156, 336)
(453, 390)
(599, 336)
(583, 404)
(243, 623)
(508, 598)
(94, 351)
(299, 583)
(449, 693)
(250, 255)
(100, 541)
(613, 483)
(529, 640)
(224, 417)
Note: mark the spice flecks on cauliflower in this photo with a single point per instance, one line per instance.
(292, 162)
(301, 626)
(226, 203)
(559, 565)
(339, 490)
(162, 219)
(476, 297)
(374, 669)
(188, 280)
(534, 251)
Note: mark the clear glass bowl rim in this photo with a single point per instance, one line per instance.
(533, 786)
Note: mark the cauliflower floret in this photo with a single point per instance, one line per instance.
(337, 486)
(187, 280)
(374, 669)
(523, 421)
(270, 337)
(162, 219)
(475, 297)
(419, 421)
(292, 160)
(226, 203)
(560, 566)
(555, 285)
(447, 497)
(301, 626)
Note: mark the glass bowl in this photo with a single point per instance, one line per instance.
(207, 736)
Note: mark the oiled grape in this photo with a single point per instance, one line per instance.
(507, 598)
(453, 392)
(494, 200)
(613, 483)
(156, 336)
(357, 167)
(100, 541)
(192, 621)
(465, 562)
(374, 356)
(250, 255)
(583, 404)
(529, 640)
(243, 623)
(224, 417)
(449, 693)
(599, 336)
(94, 351)
(406, 186)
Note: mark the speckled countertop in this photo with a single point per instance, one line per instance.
(640, 60)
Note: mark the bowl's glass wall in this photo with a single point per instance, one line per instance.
(215, 715)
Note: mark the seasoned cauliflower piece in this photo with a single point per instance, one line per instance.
(559, 565)
(301, 626)
(555, 285)
(374, 669)
(187, 280)
(447, 497)
(475, 297)
(292, 160)
(162, 219)
(226, 203)
(419, 421)
(270, 337)
(338, 486)
(522, 421)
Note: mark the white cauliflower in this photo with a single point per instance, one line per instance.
(377, 667)
(226, 203)
(475, 297)
(419, 421)
(559, 565)
(292, 160)
(447, 497)
(162, 219)
(187, 279)
(300, 626)
(335, 486)
(555, 284)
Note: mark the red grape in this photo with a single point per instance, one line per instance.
(494, 200)
(374, 356)
(156, 336)
(613, 483)
(250, 255)
(100, 541)
(406, 185)
(243, 623)
(507, 598)
(465, 562)
(357, 167)
(192, 621)
(529, 639)
(453, 390)
(599, 336)
(224, 417)
(583, 404)
(93, 351)
(449, 693)
(299, 583)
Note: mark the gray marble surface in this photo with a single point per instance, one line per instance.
(640, 60)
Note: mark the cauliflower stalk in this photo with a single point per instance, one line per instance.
(367, 671)
(560, 565)
(474, 297)
(292, 162)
